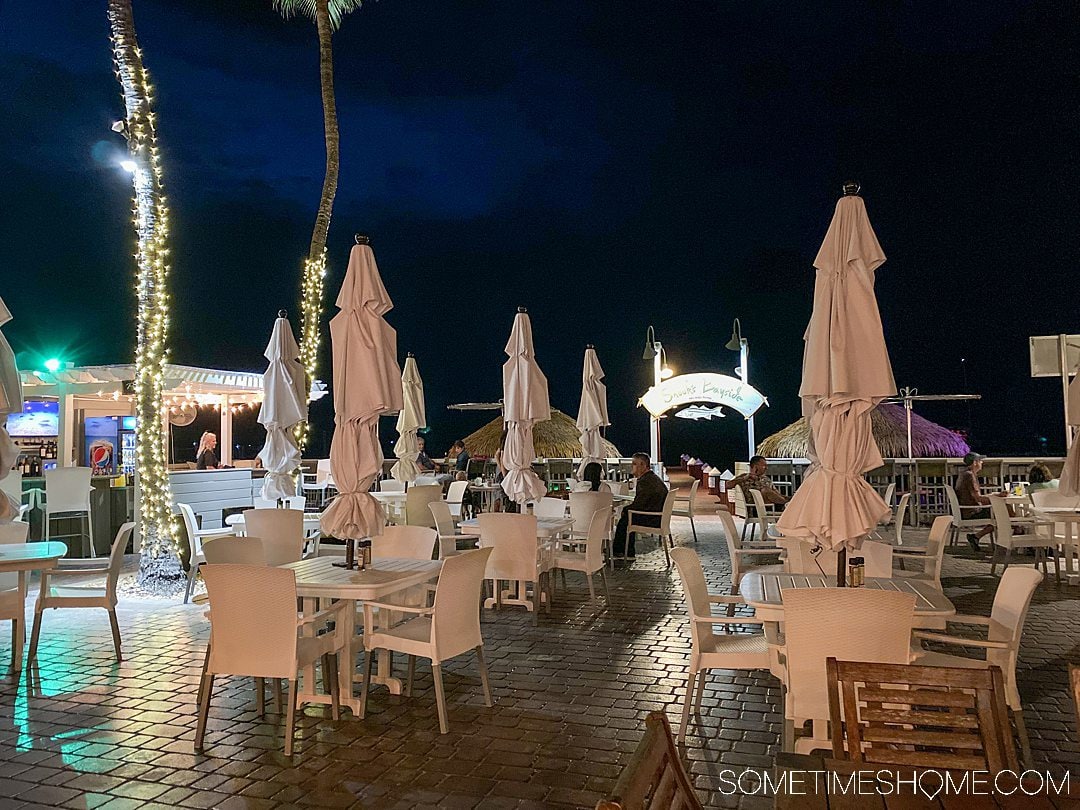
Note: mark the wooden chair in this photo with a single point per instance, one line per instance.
(937, 717)
(654, 776)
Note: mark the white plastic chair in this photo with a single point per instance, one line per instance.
(195, 537)
(281, 532)
(1039, 535)
(13, 592)
(550, 508)
(687, 511)
(254, 632)
(449, 537)
(450, 627)
(418, 502)
(591, 559)
(763, 517)
(615, 487)
(848, 624)
(1004, 630)
(928, 558)
(709, 650)
(877, 558)
(1068, 543)
(583, 506)
(404, 542)
(517, 557)
(455, 495)
(663, 531)
(960, 522)
(233, 550)
(67, 492)
(52, 595)
(900, 516)
(744, 558)
(391, 485)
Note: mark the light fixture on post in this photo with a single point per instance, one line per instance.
(654, 350)
(739, 344)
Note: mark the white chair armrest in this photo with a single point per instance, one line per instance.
(418, 609)
(958, 641)
(633, 512)
(214, 532)
(323, 615)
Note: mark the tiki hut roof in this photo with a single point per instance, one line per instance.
(928, 440)
(558, 437)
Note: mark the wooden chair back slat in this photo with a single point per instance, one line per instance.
(900, 714)
(654, 778)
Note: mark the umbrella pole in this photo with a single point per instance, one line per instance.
(841, 568)
(350, 559)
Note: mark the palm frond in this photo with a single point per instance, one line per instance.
(306, 8)
(557, 437)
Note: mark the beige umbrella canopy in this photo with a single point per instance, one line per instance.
(525, 402)
(1070, 474)
(592, 412)
(888, 425)
(557, 437)
(11, 401)
(846, 373)
(412, 418)
(367, 383)
(285, 404)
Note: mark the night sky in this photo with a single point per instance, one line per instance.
(608, 165)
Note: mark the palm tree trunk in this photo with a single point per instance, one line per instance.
(315, 266)
(158, 563)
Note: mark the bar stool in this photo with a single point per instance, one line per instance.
(67, 492)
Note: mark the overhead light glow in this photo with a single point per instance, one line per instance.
(52, 364)
(129, 166)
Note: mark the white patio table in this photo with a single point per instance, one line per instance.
(22, 558)
(764, 593)
(317, 579)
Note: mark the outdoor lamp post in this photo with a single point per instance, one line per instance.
(654, 350)
(739, 344)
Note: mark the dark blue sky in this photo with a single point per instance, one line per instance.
(608, 165)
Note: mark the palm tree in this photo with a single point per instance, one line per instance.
(158, 562)
(327, 15)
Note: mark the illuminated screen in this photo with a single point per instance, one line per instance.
(36, 419)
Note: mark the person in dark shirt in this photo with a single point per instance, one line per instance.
(649, 495)
(423, 461)
(973, 504)
(206, 458)
(462, 462)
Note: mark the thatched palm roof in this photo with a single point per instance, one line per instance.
(928, 440)
(558, 437)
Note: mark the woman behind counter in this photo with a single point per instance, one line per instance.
(206, 459)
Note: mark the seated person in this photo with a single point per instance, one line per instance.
(649, 495)
(968, 494)
(590, 478)
(757, 479)
(1040, 477)
(460, 456)
(423, 460)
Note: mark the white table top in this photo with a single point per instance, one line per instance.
(389, 497)
(319, 577)
(765, 591)
(30, 556)
(312, 522)
(545, 527)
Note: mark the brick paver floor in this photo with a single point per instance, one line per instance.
(571, 696)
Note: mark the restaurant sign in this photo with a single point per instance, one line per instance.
(713, 389)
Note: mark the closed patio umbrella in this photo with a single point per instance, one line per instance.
(846, 373)
(367, 383)
(285, 396)
(592, 412)
(1070, 473)
(11, 401)
(413, 416)
(525, 402)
